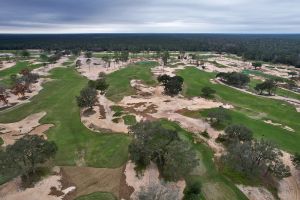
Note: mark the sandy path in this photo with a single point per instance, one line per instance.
(256, 193)
(11, 132)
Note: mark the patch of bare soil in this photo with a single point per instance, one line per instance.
(49, 188)
(289, 188)
(6, 64)
(256, 193)
(88, 180)
(149, 177)
(11, 132)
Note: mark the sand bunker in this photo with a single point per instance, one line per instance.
(149, 177)
(11, 132)
(280, 125)
(97, 122)
(44, 70)
(6, 64)
(41, 190)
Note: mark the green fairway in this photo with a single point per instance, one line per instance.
(119, 81)
(250, 105)
(76, 144)
(214, 184)
(97, 196)
(5, 74)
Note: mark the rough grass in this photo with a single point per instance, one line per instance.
(75, 142)
(119, 81)
(214, 184)
(247, 104)
(5, 74)
(97, 196)
(129, 120)
(94, 180)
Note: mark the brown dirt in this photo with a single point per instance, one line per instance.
(88, 180)
(125, 190)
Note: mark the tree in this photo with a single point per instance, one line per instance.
(78, 63)
(26, 154)
(25, 54)
(151, 142)
(172, 85)
(269, 85)
(208, 92)
(3, 95)
(256, 65)
(192, 191)
(165, 57)
(218, 116)
(99, 84)
(87, 98)
(236, 133)
(234, 78)
(88, 61)
(101, 75)
(179, 161)
(124, 56)
(88, 54)
(256, 158)
(296, 160)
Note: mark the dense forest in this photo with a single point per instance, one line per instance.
(272, 48)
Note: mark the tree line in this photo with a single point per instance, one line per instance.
(270, 48)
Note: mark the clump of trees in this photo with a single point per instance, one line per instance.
(172, 85)
(153, 143)
(253, 158)
(25, 156)
(234, 78)
(218, 117)
(269, 85)
(3, 95)
(192, 191)
(87, 98)
(296, 160)
(208, 92)
(165, 56)
(99, 84)
(257, 65)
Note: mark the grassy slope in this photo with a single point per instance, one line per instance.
(277, 111)
(73, 139)
(214, 184)
(119, 81)
(97, 196)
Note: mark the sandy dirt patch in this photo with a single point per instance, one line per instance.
(97, 65)
(97, 122)
(41, 190)
(280, 125)
(44, 70)
(289, 188)
(7, 64)
(88, 180)
(11, 132)
(149, 177)
(256, 193)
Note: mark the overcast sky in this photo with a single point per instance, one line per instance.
(149, 16)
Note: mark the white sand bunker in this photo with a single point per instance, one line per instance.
(150, 177)
(44, 70)
(30, 125)
(97, 65)
(256, 193)
(279, 125)
(14, 100)
(100, 119)
(171, 71)
(6, 64)
(42, 190)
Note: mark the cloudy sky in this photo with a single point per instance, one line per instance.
(149, 16)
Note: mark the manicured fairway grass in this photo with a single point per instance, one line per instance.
(97, 196)
(119, 81)
(5, 74)
(75, 142)
(214, 184)
(264, 108)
